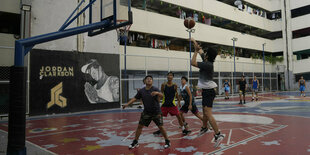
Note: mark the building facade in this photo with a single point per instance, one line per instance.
(276, 31)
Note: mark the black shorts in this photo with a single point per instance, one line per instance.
(208, 96)
(242, 92)
(146, 119)
(185, 109)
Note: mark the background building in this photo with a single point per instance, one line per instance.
(158, 41)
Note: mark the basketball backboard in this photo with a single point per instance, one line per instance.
(117, 12)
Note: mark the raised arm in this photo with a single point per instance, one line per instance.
(197, 47)
(129, 103)
(194, 60)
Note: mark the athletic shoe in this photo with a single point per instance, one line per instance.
(185, 132)
(244, 102)
(139, 107)
(203, 130)
(252, 99)
(218, 139)
(157, 133)
(167, 144)
(256, 99)
(133, 144)
(240, 102)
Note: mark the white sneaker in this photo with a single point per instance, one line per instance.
(218, 139)
(167, 144)
(134, 144)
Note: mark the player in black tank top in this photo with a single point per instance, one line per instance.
(169, 90)
(189, 102)
(169, 95)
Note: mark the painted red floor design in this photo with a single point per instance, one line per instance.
(111, 133)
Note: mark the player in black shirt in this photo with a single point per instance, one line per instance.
(150, 96)
(242, 88)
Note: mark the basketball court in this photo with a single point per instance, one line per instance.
(276, 124)
(67, 117)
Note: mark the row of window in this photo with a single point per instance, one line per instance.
(301, 33)
(300, 11)
(181, 12)
(139, 39)
(252, 9)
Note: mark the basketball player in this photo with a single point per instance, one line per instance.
(150, 96)
(226, 86)
(302, 86)
(170, 93)
(255, 87)
(206, 70)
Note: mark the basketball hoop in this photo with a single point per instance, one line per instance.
(122, 32)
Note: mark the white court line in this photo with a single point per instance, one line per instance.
(192, 133)
(55, 133)
(61, 132)
(41, 148)
(228, 141)
(263, 128)
(34, 145)
(277, 125)
(131, 132)
(247, 140)
(171, 122)
(248, 132)
(268, 127)
(225, 109)
(255, 130)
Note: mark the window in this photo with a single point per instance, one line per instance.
(300, 11)
(10, 23)
(301, 33)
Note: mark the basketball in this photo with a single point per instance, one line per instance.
(189, 23)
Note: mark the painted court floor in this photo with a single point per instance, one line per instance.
(277, 124)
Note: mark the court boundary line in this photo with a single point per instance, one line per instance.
(247, 140)
(34, 145)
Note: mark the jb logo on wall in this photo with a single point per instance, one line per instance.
(62, 82)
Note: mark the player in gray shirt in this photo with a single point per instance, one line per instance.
(206, 83)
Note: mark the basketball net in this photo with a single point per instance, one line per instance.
(122, 32)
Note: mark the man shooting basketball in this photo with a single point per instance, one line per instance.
(206, 70)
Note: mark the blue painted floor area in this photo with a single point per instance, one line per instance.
(297, 93)
(287, 108)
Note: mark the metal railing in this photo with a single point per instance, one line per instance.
(139, 66)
